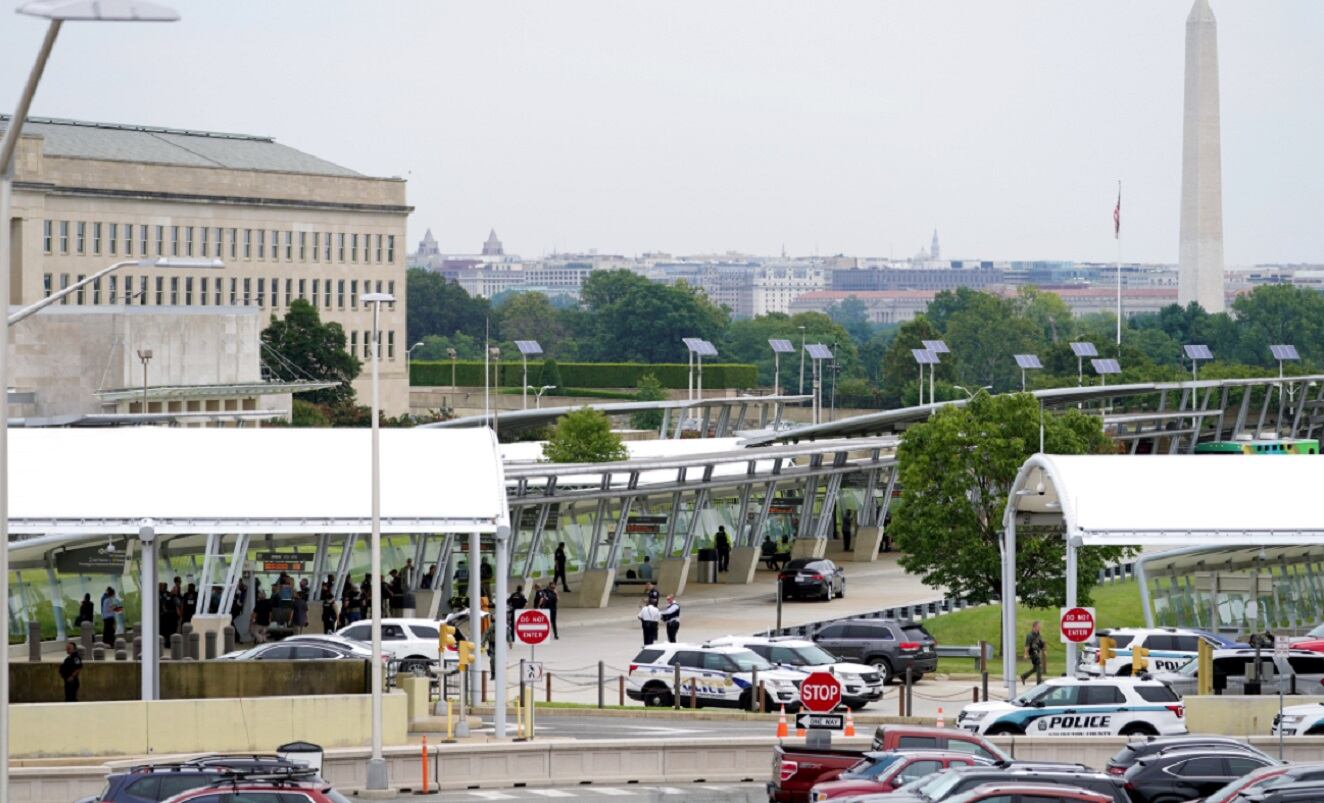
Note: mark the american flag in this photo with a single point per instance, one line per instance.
(1117, 214)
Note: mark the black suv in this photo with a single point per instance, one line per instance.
(152, 783)
(955, 781)
(1291, 793)
(886, 644)
(1179, 775)
(1150, 746)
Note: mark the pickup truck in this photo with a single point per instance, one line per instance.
(795, 768)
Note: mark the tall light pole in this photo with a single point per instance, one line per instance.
(145, 264)
(377, 775)
(802, 361)
(56, 12)
(145, 355)
(409, 351)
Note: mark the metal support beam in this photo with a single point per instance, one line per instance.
(535, 540)
(744, 536)
(319, 561)
(762, 520)
(342, 566)
(599, 519)
(151, 689)
(441, 584)
(420, 551)
(828, 512)
(233, 573)
(692, 526)
(614, 551)
(723, 418)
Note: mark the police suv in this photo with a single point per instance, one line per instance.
(1170, 649)
(712, 675)
(1074, 707)
(860, 683)
(1300, 720)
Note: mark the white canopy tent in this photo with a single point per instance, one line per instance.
(1149, 500)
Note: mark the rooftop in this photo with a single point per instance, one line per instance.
(80, 139)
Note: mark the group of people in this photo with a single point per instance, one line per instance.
(651, 616)
(544, 598)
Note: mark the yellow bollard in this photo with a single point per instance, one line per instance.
(450, 722)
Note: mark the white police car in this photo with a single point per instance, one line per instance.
(1170, 649)
(1074, 707)
(1300, 720)
(718, 676)
(861, 684)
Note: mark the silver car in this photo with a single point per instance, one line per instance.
(1233, 667)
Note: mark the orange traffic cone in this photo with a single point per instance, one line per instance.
(941, 722)
(782, 730)
(850, 725)
(799, 731)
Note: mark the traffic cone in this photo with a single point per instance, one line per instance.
(782, 730)
(850, 724)
(941, 722)
(799, 731)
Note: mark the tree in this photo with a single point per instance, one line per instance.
(650, 389)
(530, 316)
(746, 341)
(899, 369)
(299, 346)
(853, 316)
(635, 320)
(583, 436)
(956, 471)
(1279, 313)
(440, 307)
(551, 374)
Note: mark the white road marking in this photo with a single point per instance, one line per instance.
(550, 792)
(492, 795)
(670, 790)
(608, 791)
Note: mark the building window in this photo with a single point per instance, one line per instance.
(354, 248)
(261, 292)
(289, 246)
(142, 290)
(390, 248)
(379, 286)
(47, 284)
(81, 241)
(234, 243)
(160, 241)
(202, 291)
(64, 236)
(379, 247)
(326, 293)
(113, 286)
(128, 239)
(340, 293)
(142, 241)
(174, 241)
(96, 292)
(316, 299)
(302, 285)
(220, 293)
(64, 283)
(216, 249)
(160, 291)
(275, 244)
(354, 343)
(234, 292)
(47, 235)
(327, 242)
(303, 246)
(113, 240)
(174, 291)
(317, 245)
(188, 291)
(367, 344)
(354, 294)
(340, 246)
(390, 345)
(390, 288)
(96, 239)
(248, 291)
(289, 291)
(262, 243)
(248, 243)
(188, 242)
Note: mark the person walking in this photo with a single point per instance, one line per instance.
(261, 617)
(514, 604)
(1034, 652)
(559, 559)
(648, 619)
(723, 543)
(550, 599)
(70, 669)
(671, 616)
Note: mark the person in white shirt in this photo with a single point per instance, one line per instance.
(649, 617)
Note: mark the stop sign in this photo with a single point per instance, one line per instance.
(820, 693)
(1077, 625)
(532, 627)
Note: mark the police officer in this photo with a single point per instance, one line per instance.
(651, 595)
(1034, 653)
(514, 604)
(558, 561)
(671, 617)
(723, 543)
(69, 671)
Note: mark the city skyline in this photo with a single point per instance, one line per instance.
(632, 129)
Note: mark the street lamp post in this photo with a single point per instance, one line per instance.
(377, 775)
(65, 292)
(409, 351)
(537, 399)
(802, 360)
(145, 355)
(56, 12)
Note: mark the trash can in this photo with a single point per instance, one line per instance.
(707, 566)
(305, 753)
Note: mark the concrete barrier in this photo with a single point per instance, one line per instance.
(103, 681)
(1235, 714)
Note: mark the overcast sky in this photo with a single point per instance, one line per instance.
(698, 126)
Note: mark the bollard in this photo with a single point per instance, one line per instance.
(98, 653)
(482, 692)
(549, 687)
(209, 644)
(763, 699)
(779, 602)
(620, 688)
(194, 650)
(34, 642)
(176, 647)
(910, 701)
(694, 694)
(675, 688)
(137, 648)
(227, 639)
(754, 697)
(974, 694)
(121, 650)
(425, 764)
(186, 629)
(88, 632)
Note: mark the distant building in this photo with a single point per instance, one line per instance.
(493, 248)
(428, 254)
(935, 253)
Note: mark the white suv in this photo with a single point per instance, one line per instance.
(1170, 648)
(716, 676)
(1073, 707)
(412, 642)
(860, 684)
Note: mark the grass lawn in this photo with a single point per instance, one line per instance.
(1115, 605)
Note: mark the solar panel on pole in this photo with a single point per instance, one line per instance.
(1284, 352)
(692, 343)
(818, 351)
(924, 356)
(1198, 352)
(529, 348)
(936, 346)
(1084, 349)
(1028, 361)
(780, 346)
(1106, 366)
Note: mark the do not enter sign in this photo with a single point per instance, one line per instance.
(532, 627)
(1077, 625)
(820, 693)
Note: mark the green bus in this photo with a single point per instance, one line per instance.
(1260, 446)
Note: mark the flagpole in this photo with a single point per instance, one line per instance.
(1117, 235)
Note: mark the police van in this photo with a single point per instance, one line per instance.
(1300, 720)
(1168, 650)
(710, 675)
(1074, 707)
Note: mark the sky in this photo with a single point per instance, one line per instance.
(691, 126)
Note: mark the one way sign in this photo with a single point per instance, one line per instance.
(826, 722)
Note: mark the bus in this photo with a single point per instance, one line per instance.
(1260, 446)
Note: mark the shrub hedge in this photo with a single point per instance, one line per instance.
(584, 374)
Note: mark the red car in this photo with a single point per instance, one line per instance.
(1028, 793)
(879, 773)
(1314, 645)
(267, 791)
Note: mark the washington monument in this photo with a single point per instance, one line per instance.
(1200, 255)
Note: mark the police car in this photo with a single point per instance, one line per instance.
(1170, 649)
(1300, 720)
(1074, 707)
(718, 675)
(861, 684)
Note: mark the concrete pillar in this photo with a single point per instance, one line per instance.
(34, 642)
(177, 647)
(672, 574)
(150, 626)
(594, 589)
(89, 635)
(867, 542)
(195, 645)
(744, 563)
(808, 548)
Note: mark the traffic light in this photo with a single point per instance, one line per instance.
(1139, 660)
(467, 657)
(1204, 670)
(446, 638)
(1107, 650)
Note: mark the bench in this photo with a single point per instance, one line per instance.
(775, 558)
(630, 581)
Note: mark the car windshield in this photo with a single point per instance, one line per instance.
(1033, 694)
(748, 661)
(934, 787)
(871, 768)
(1316, 632)
(1256, 780)
(812, 656)
(1189, 668)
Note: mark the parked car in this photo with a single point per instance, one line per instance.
(260, 789)
(1231, 667)
(1008, 791)
(152, 783)
(860, 683)
(1300, 720)
(919, 737)
(1169, 649)
(1269, 777)
(956, 781)
(719, 675)
(1288, 793)
(1138, 749)
(888, 645)
(1315, 633)
(412, 642)
(817, 578)
(296, 648)
(1108, 706)
(1179, 775)
(795, 770)
(885, 772)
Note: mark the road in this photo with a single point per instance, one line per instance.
(628, 793)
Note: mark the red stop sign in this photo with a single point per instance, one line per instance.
(1077, 625)
(532, 627)
(820, 693)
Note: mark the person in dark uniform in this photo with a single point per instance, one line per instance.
(847, 518)
(514, 604)
(559, 560)
(86, 611)
(190, 603)
(70, 670)
(550, 599)
(169, 611)
(651, 594)
(1034, 653)
(671, 617)
(328, 599)
(723, 543)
